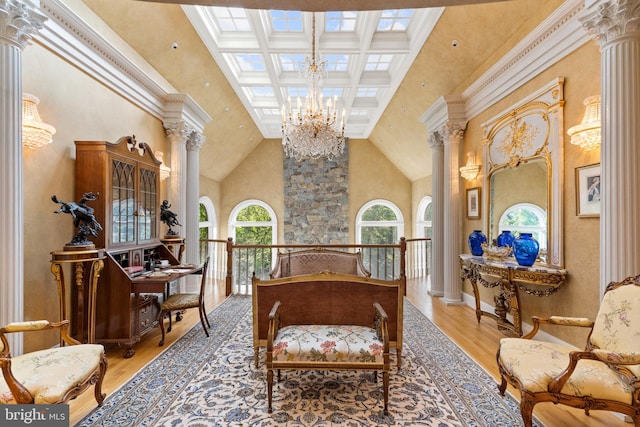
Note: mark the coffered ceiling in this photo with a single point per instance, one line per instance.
(386, 66)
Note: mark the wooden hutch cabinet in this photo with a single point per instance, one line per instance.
(126, 175)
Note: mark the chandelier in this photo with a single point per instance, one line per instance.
(587, 133)
(35, 133)
(311, 129)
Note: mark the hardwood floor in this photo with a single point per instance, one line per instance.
(479, 340)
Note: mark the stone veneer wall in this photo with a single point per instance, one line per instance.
(316, 200)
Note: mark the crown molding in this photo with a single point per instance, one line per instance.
(70, 32)
(555, 38)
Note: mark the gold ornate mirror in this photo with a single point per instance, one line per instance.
(523, 170)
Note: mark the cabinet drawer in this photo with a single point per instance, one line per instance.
(147, 310)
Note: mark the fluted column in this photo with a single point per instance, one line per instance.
(178, 134)
(192, 192)
(453, 131)
(616, 24)
(18, 24)
(437, 225)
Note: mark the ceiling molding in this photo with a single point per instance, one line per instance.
(70, 34)
(555, 38)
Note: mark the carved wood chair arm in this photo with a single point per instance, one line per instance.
(274, 326)
(557, 320)
(381, 325)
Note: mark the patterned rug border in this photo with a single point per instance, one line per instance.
(469, 389)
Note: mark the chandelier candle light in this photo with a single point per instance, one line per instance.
(310, 129)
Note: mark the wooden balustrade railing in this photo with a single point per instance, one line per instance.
(236, 263)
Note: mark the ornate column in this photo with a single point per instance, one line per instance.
(437, 226)
(616, 24)
(193, 197)
(178, 133)
(18, 25)
(453, 131)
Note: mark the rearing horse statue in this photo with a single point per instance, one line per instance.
(83, 218)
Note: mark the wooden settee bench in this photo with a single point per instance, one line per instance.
(329, 321)
(317, 260)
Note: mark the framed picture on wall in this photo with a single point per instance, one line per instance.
(588, 190)
(473, 203)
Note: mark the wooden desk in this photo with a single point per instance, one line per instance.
(159, 285)
(512, 278)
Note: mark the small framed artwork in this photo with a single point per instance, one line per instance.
(473, 203)
(588, 190)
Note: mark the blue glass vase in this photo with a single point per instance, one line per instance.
(505, 238)
(476, 239)
(525, 249)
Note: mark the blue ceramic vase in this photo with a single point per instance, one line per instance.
(476, 239)
(505, 238)
(525, 249)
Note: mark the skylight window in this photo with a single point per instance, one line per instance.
(271, 112)
(297, 91)
(291, 62)
(378, 62)
(337, 62)
(340, 21)
(231, 19)
(262, 91)
(330, 92)
(367, 92)
(249, 61)
(286, 20)
(395, 19)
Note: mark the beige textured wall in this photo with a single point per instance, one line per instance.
(580, 295)
(80, 109)
(371, 176)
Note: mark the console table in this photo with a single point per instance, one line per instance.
(512, 278)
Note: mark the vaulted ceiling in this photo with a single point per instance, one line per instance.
(387, 67)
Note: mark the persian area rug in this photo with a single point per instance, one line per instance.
(201, 381)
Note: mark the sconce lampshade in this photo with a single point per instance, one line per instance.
(35, 133)
(471, 169)
(165, 171)
(587, 134)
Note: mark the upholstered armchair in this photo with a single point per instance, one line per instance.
(603, 376)
(54, 375)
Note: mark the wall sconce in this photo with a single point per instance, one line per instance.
(165, 171)
(35, 133)
(587, 134)
(471, 169)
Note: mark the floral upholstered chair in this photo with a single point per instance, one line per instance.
(604, 376)
(54, 375)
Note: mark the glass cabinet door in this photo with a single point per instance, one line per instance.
(123, 209)
(148, 205)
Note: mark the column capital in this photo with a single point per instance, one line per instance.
(179, 129)
(435, 140)
(454, 131)
(20, 22)
(195, 141)
(610, 20)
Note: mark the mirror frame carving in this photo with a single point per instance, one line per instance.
(545, 105)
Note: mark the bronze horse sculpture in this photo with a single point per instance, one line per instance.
(83, 218)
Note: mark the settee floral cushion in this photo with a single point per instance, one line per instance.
(50, 374)
(535, 363)
(328, 343)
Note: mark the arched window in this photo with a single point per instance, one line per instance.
(208, 230)
(525, 218)
(252, 222)
(424, 218)
(379, 222)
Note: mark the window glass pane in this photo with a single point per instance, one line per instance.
(253, 213)
(379, 213)
(379, 235)
(257, 235)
